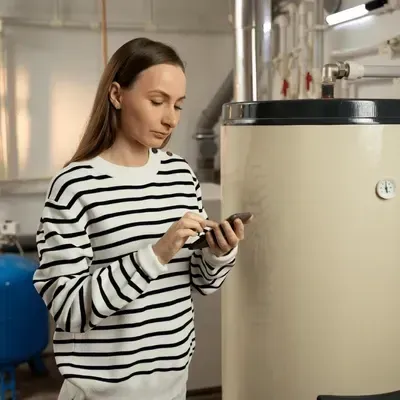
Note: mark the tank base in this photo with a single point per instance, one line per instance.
(8, 383)
(383, 396)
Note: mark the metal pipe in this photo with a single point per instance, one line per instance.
(252, 29)
(264, 12)
(244, 42)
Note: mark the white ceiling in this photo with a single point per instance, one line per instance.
(199, 15)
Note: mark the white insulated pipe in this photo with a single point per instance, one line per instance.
(385, 47)
(282, 22)
(318, 46)
(292, 55)
(281, 60)
(291, 9)
(358, 71)
(303, 49)
(355, 52)
(381, 71)
(310, 23)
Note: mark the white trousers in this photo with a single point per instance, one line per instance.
(71, 392)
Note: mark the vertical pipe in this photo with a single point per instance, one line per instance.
(264, 25)
(292, 76)
(319, 34)
(318, 45)
(104, 31)
(244, 47)
(282, 22)
(303, 48)
(252, 26)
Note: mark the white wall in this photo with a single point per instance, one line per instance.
(54, 82)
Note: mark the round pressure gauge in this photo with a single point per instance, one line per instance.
(386, 189)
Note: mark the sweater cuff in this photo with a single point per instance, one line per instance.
(217, 262)
(149, 262)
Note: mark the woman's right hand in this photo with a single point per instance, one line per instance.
(190, 224)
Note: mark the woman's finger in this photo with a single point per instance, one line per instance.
(191, 224)
(238, 227)
(229, 234)
(221, 240)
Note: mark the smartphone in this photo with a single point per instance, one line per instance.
(201, 243)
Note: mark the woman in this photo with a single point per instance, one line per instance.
(115, 269)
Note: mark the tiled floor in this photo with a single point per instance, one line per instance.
(46, 388)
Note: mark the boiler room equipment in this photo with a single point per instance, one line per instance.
(312, 307)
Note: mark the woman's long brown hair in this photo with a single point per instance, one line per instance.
(124, 67)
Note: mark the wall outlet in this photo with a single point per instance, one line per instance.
(9, 228)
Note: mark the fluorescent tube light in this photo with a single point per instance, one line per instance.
(347, 15)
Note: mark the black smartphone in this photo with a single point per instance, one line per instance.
(201, 242)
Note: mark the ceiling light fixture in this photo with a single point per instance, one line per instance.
(355, 12)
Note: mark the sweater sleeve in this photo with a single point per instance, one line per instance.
(207, 271)
(77, 298)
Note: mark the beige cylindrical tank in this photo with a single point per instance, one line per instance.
(313, 304)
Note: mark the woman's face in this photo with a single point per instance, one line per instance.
(151, 108)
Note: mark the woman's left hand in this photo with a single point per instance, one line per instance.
(227, 237)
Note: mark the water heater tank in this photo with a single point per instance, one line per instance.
(313, 306)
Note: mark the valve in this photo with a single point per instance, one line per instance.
(285, 87)
(309, 80)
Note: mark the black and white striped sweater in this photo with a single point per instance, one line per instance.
(124, 321)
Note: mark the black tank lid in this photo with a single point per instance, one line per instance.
(313, 112)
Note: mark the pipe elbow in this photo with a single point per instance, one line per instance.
(281, 21)
(330, 73)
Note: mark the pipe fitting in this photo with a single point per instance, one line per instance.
(332, 72)
(282, 21)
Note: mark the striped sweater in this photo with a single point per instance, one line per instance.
(124, 322)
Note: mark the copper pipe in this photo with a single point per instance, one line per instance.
(104, 31)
